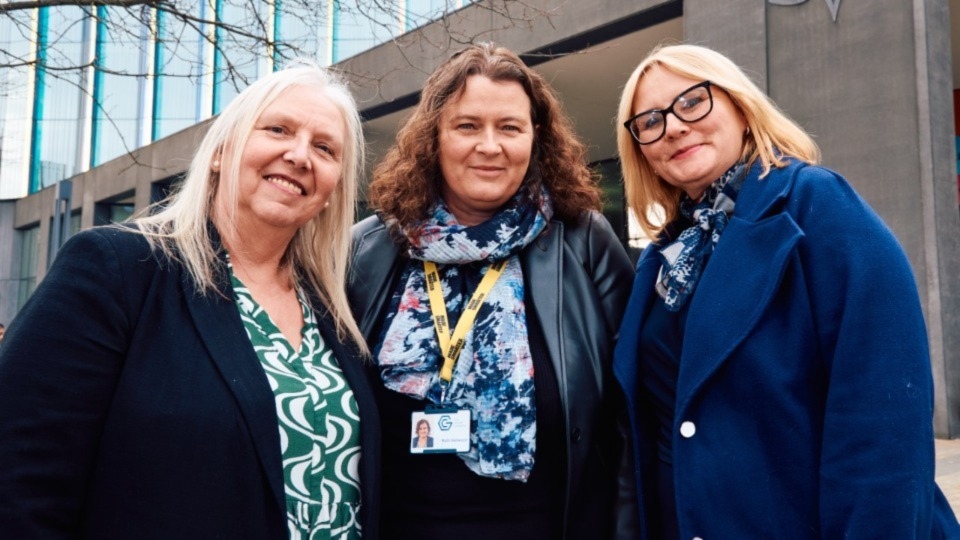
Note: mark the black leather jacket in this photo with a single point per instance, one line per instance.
(581, 280)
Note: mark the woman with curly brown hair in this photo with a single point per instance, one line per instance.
(489, 289)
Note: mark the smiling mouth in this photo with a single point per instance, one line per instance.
(285, 184)
(684, 150)
(487, 169)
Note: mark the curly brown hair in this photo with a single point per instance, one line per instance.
(406, 183)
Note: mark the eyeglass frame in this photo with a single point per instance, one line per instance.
(669, 110)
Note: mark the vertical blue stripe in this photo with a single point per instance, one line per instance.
(217, 56)
(39, 79)
(199, 65)
(277, 29)
(158, 60)
(98, 61)
(335, 34)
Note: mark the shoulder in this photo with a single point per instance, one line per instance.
(373, 264)
(823, 201)
(588, 228)
(121, 238)
(370, 237)
(124, 246)
(592, 241)
(813, 195)
(120, 252)
(372, 225)
(840, 229)
(106, 270)
(367, 225)
(803, 181)
(819, 182)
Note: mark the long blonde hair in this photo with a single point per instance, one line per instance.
(320, 249)
(772, 137)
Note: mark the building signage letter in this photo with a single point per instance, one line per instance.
(834, 5)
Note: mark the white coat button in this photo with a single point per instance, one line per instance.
(687, 429)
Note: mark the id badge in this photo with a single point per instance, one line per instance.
(440, 431)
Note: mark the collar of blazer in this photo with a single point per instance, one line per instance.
(740, 281)
(219, 325)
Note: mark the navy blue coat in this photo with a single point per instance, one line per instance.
(132, 406)
(805, 397)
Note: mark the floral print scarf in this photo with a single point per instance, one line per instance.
(493, 377)
(686, 257)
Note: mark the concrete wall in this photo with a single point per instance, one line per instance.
(874, 88)
(395, 71)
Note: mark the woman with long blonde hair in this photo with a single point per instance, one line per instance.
(197, 372)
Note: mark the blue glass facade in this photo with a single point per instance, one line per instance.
(107, 80)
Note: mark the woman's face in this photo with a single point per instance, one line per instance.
(690, 156)
(291, 163)
(423, 429)
(486, 138)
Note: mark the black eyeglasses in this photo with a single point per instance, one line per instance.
(693, 104)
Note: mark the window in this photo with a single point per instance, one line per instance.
(29, 249)
(58, 101)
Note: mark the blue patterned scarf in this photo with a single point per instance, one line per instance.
(685, 258)
(493, 377)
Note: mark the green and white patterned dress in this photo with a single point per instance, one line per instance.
(319, 424)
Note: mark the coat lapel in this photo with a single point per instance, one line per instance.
(739, 283)
(218, 322)
(371, 286)
(546, 291)
(741, 279)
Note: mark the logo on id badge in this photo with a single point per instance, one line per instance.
(440, 431)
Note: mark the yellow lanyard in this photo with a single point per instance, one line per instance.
(442, 323)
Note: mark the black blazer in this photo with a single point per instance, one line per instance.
(133, 406)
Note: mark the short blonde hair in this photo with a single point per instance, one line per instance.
(319, 251)
(773, 136)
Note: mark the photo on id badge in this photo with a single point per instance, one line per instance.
(440, 431)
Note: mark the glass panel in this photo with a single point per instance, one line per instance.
(17, 40)
(74, 223)
(177, 88)
(361, 24)
(304, 31)
(123, 43)
(239, 55)
(59, 125)
(421, 12)
(29, 247)
(120, 212)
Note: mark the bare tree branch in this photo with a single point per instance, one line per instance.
(34, 4)
(238, 34)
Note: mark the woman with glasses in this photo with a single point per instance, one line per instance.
(773, 352)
